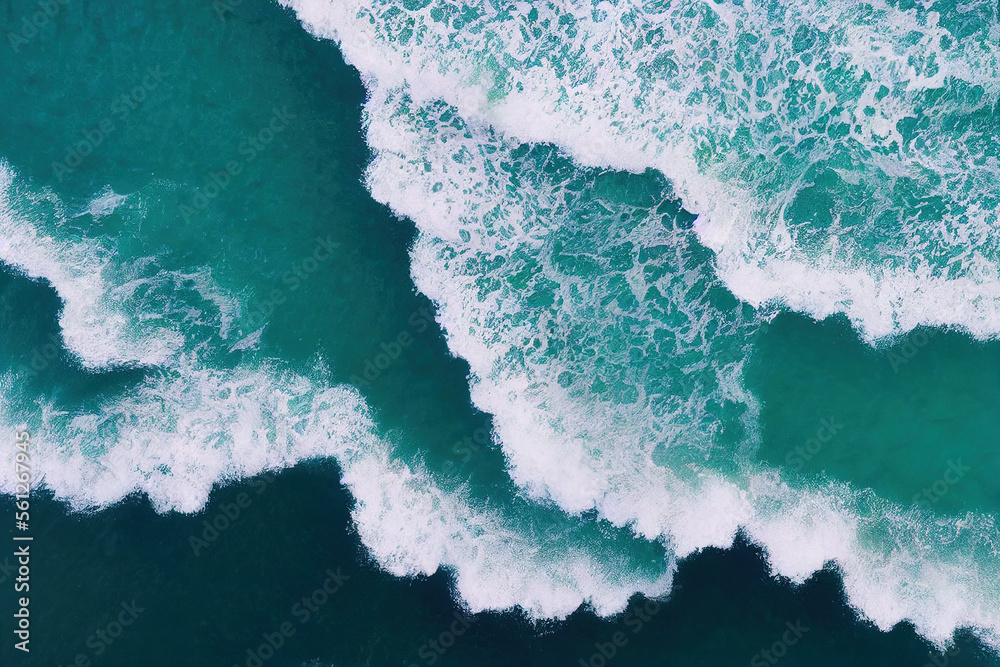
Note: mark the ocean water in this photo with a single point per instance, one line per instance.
(425, 332)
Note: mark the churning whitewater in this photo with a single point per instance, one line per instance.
(612, 202)
(830, 171)
(199, 420)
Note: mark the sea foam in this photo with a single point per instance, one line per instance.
(599, 340)
(94, 288)
(186, 425)
(839, 156)
(181, 432)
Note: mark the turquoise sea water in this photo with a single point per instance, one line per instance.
(539, 323)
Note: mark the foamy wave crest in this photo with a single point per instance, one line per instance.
(114, 313)
(187, 426)
(611, 358)
(413, 527)
(840, 155)
(178, 433)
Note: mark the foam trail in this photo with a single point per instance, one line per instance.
(178, 434)
(95, 321)
(594, 328)
(598, 339)
(187, 426)
(839, 156)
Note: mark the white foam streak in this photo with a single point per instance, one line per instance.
(652, 464)
(187, 427)
(412, 527)
(96, 326)
(607, 109)
(178, 434)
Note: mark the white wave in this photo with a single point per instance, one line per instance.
(743, 119)
(181, 432)
(413, 527)
(657, 463)
(94, 326)
(115, 312)
(188, 427)
(105, 203)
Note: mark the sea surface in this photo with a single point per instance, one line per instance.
(528, 334)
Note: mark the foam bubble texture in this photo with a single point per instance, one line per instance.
(191, 423)
(179, 433)
(611, 358)
(114, 313)
(840, 155)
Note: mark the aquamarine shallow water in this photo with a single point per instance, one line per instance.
(550, 375)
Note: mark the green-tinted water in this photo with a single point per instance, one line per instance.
(200, 285)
